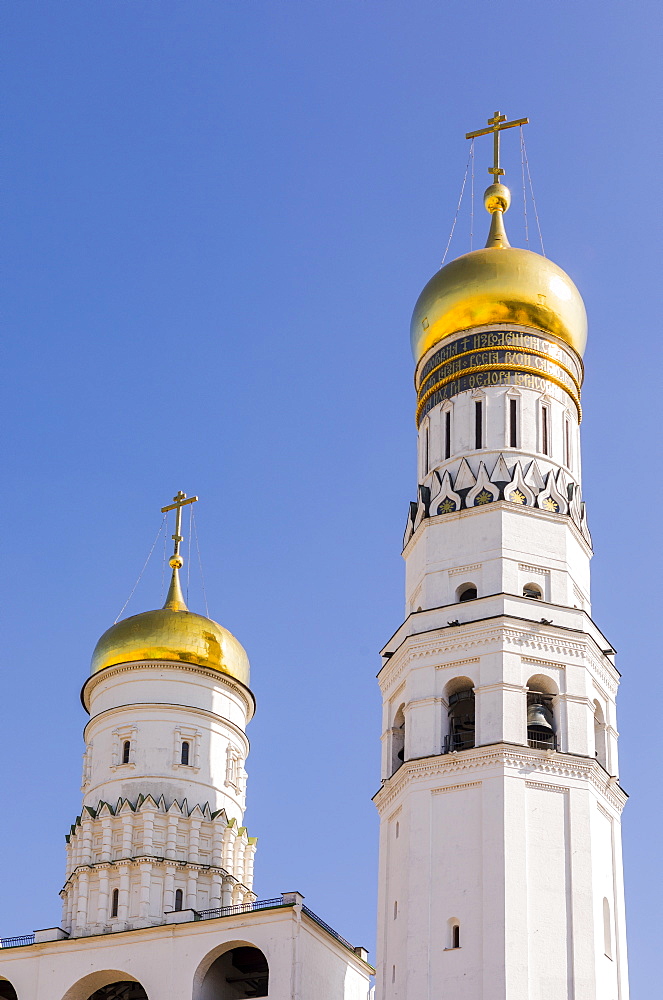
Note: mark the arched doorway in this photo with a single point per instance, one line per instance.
(7, 991)
(238, 973)
(120, 991)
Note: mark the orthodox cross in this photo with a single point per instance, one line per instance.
(496, 124)
(181, 500)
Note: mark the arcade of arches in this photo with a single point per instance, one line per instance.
(238, 974)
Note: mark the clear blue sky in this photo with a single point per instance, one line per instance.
(217, 219)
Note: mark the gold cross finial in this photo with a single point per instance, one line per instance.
(496, 124)
(180, 500)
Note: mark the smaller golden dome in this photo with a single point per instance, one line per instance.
(499, 284)
(172, 633)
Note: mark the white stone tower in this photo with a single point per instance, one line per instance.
(500, 853)
(163, 776)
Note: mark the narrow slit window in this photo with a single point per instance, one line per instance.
(447, 434)
(513, 423)
(178, 899)
(426, 450)
(567, 443)
(395, 908)
(126, 751)
(184, 756)
(115, 902)
(478, 424)
(545, 430)
(607, 929)
(455, 936)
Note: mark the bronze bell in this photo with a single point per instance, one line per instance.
(538, 717)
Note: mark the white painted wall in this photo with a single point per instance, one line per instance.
(305, 962)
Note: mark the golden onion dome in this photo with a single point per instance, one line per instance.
(172, 633)
(498, 284)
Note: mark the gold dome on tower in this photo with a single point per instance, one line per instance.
(498, 284)
(173, 632)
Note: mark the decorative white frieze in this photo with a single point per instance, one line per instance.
(151, 849)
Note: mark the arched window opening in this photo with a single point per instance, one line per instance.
(115, 902)
(533, 592)
(540, 721)
(178, 899)
(453, 940)
(126, 751)
(398, 740)
(7, 991)
(467, 592)
(184, 756)
(241, 972)
(600, 737)
(120, 991)
(461, 716)
(607, 929)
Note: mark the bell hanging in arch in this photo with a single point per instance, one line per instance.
(538, 717)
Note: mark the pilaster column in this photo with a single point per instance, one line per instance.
(145, 884)
(238, 867)
(169, 889)
(194, 840)
(215, 896)
(217, 846)
(171, 838)
(227, 892)
(127, 834)
(102, 900)
(123, 895)
(249, 857)
(148, 832)
(192, 889)
(82, 901)
(106, 838)
(86, 853)
(229, 837)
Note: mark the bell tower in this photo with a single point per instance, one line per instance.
(500, 853)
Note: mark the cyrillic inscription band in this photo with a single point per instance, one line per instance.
(511, 339)
(493, 358)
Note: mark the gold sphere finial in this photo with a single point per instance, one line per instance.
(497, 198)
(176, 561)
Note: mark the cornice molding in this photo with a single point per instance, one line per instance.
(547, 787)
(152, 860)
(456, 788)
(560, 765)
(515, 639)
(224, 680)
